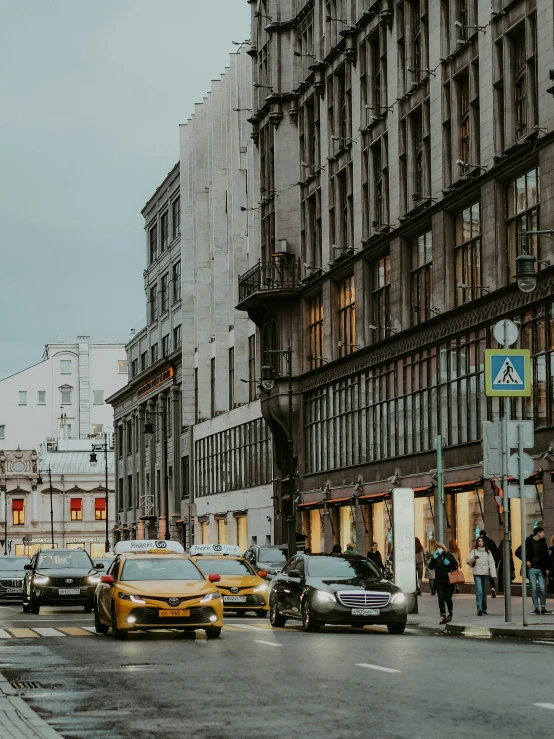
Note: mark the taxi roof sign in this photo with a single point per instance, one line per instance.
(211, 549)
(148, 546)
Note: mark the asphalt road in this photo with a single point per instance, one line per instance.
(260, 682)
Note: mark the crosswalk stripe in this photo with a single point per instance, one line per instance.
(22, 633)
(49, 632)
(249, 627)
(4, 634)
(89, 628)
(74, 631)
(231, 628)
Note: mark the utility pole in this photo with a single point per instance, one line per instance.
(440, 490)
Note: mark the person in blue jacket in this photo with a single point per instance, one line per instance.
(443, 562)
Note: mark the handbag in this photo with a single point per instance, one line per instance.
(456, 577)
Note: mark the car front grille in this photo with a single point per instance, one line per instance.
(183, 599)
(150, 617)
(237, 590)
(61, 582)
(363, 599)
(11, 583)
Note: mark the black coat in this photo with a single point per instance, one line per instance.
(544, 554)
(440, 567)
(493, 549)
(377, 560)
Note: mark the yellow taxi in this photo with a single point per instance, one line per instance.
(153, 584)
(241, 587)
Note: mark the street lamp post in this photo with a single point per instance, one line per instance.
(268, 381)
(39, 482)
(93, 461)
(149, 429)
(5, 519)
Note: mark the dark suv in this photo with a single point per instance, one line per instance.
(272, 559)
(12, 572)
(60, 577)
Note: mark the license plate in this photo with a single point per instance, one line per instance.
(70, 591)
(365, 611)
(14, 590)
(234, 598)
(174, 613)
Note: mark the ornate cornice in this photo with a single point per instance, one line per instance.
(506, 302)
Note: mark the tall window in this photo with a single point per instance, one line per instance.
(196, 393)
(421, 278)
(417, 40)
(522, 215)
(65, 366)
(100, 509)
(18, 512)
(267, 187)
(165, 229)
(212, 386)
(464, 118)
(309, 136)
(22, 397)
(153, 303)
(177, 281)
(98, 397)
(339, 109)
(76, 507)
(231, 378)
(66, 397)
(177, 337)
(315, 330)
(520, 85)
(42, 397)
(305, 46)
(134, 368)
(176, 215)
(252, 368)
(154, 353)
(122, 366)
(467, 254)
(165, 345)
(143, 361)
(417, 140)
(381, 298)
(347, 316)
(153, 238)
(165, 292)
(311, 230)
(2, 431)
(380, 182)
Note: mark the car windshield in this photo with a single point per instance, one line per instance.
(63, 560)
(160, 569)
(342, 568)
(224, 566)
(271, 554)
(13, 563)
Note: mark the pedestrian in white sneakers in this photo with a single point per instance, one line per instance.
(482, 561)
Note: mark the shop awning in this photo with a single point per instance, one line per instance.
(341, 501)
(220, 516)
(462, 487)
(76, 504)
(310, 504)
(100, 504)
(18, 505)
(373, 497)
(423, 492)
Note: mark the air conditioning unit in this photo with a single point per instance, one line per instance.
(51, 445)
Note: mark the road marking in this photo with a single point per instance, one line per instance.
(545, 705)
(89, 628)
(269, 643)
(544, 642)
(4, 634)
(231, 628)
(49, 632)
(376, 667)
(74, 631)
(253, 628)
(22, 633)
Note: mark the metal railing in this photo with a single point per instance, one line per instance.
(281, 273)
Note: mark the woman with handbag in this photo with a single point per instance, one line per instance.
(444, 564)
(484, 567)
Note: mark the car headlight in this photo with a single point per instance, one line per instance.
(398, 598)
(210, 596)
(93, 579)
(41, 580)
(324, 597)
(133, 598)
(261, 589)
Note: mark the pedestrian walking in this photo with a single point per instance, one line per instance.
(493, 549)
(419, 559)
(538, 567)
(336, 549)
(455, 549)
(482, 561)
(429, 574)
(350, 549)
(443, 562)
(375, 556)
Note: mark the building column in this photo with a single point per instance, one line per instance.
(175, 396)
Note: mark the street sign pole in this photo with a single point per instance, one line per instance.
(506, 507)
(521, 476)
(440, 486)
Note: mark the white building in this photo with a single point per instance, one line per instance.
(63, 395)
(77, 499)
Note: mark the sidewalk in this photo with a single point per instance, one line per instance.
(18, 720)
(466, 621)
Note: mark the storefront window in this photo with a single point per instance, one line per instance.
(222, 531)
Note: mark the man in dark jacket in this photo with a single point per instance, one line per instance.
(493, 549)
(538, 566)
(375, 556)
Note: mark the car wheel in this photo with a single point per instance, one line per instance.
(261, 614)
(98, 625)
(309, 623)
(275, 617)
(34, 607)
(213, 632)
(117, 633)
(396, 627)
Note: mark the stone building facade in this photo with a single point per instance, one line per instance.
(404, 147)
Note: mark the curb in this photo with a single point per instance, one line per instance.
(486, 632)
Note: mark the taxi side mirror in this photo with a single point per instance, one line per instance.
(262, 573)
(107, 579)
(214, 578)
(99, 566)
(295, 574)
(27, 567)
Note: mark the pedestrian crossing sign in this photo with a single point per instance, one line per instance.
(508, 372)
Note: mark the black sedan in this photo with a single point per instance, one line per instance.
(320, 589)
(12, 573)
(60, 577)
(270, 559)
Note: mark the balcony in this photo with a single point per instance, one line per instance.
(278, 278)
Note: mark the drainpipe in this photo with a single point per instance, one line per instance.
(63, 510)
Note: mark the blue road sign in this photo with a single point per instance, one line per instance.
(507, 372)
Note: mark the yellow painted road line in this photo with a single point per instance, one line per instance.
(233, 628)
(22, 633)
(74, 631)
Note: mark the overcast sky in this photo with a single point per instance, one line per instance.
(91, 96)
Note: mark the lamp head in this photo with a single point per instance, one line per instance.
(93, 459)
(148, 427)
(268, 377)
(526, 275)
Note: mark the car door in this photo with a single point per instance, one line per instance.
(281, 587)
(296, 587)
(106, 592)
